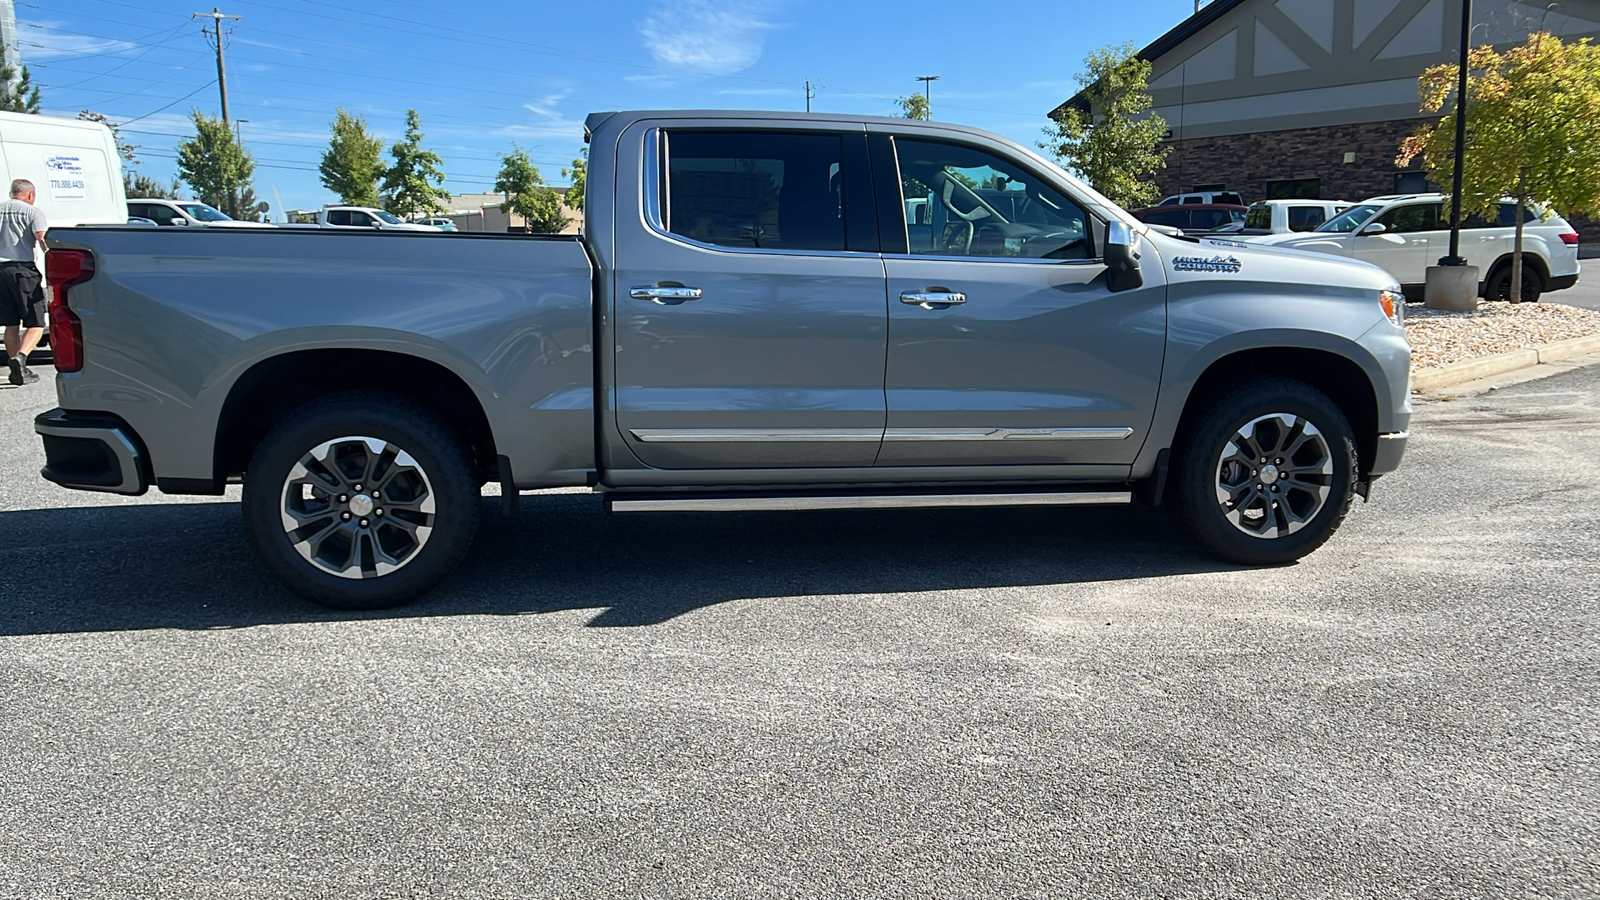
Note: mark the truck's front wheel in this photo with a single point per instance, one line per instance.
(1265, 472)
(361, 501)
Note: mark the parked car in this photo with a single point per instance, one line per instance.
(439, 222)
(1286, 216)
(1405, 234)
(185, 213)
(1230, 198)
(1197, 218)
(712, 344)
(366, 217)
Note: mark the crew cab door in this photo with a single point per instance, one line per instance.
(1006, 344)
(749, 314)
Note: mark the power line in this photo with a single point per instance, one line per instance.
(169, 105)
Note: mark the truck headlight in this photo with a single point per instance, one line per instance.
(1394, 306)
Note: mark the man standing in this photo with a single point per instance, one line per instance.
(22, 228)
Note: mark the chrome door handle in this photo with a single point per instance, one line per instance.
(933, 298)
(666, 295)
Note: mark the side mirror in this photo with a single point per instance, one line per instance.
(179, 220)
(1122, 258)
(1375, 228)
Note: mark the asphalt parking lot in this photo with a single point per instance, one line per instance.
(1009, 703)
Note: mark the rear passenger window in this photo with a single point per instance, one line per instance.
(338, 217)
(1305, 218)
(755, 190)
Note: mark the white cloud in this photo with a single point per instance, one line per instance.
(548, 121)
(709, 37)
(43, 40)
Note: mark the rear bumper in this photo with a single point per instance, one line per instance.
(1561, 282)
(1391, 448)
(90, 451)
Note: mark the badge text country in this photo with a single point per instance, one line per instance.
(1200, 264)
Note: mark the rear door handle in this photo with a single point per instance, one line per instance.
(939, 298)
(666, 295)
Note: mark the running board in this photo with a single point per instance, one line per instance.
(629, 503)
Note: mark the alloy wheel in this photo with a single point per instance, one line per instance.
(1274, 475)
(357, 507)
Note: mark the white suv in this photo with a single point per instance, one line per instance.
(1406, 234)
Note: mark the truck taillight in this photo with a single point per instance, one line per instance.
(63, 269)
(1570, 239)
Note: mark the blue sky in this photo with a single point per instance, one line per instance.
(487, 75)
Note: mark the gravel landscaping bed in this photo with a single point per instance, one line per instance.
(1439, 338)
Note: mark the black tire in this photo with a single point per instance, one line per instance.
(1498, 285)
(1269, 525)
(434, 499)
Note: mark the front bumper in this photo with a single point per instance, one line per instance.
(91, 451)
(1391, 447)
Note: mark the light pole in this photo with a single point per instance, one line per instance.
(1452, 284)
(927, 91)
(238, 133)
(1455, 259)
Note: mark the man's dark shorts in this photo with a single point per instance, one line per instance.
(21, 295)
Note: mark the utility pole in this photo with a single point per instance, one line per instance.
(216, 16)
(809, 94)
(927, 91)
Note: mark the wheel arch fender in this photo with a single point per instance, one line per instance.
(1341, 368)
(254, 393)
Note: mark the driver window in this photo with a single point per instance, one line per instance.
(961, 201)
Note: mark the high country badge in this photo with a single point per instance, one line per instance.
(1228, 264)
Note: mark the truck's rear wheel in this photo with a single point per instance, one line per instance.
(1265, 473)
(361, 501)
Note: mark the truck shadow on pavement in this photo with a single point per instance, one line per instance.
(189, 566)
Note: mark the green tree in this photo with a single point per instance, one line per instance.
(413, 186)
(214, 165)
(140, 185)
(1116, 146)
(578, 175)
(914, 106)
(1532, 115)
(123, 147)
(18, 93)
(252, 209)
(352, 165)
(527, 195)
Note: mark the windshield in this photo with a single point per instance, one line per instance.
(1349, 220)
(386, 217)
(204, 213)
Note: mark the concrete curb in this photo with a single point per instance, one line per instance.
(1500, 363)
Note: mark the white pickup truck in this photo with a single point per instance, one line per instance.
(366, 217)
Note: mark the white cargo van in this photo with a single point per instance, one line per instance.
(73, 163)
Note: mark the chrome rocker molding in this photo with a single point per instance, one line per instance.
(870, 501)
(1007, 434)
(769, 435)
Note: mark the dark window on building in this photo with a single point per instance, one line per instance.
(1410, 183)
(1228, 197)
(754, 189)
(1202, 188)
(1305, 218)
(1295, 189)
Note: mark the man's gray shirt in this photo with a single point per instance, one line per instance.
(19, 225)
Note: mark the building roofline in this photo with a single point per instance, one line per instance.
(1159, 47)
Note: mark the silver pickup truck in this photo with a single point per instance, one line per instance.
(769, 311)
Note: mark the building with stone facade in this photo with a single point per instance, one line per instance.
(1311, 98)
